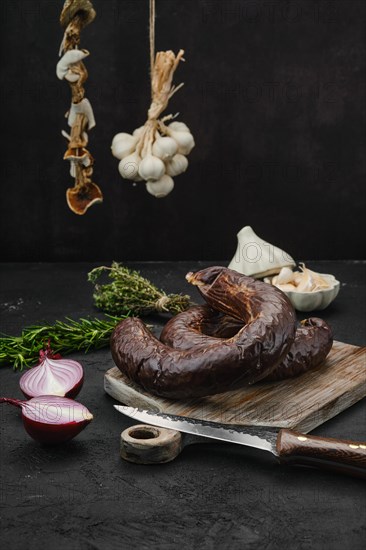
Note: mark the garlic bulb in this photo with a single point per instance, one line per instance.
(185, 141)
(129, 166)
(120, 136)
(123, 145)
(138, 132)
(177, 165)
(179, 127)
(151, 168)
(165, 148)
(160, 188)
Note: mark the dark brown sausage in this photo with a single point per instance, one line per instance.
(201, 326)
(245, 358)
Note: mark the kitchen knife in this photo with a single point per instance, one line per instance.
(288, 446)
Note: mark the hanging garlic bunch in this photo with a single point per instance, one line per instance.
(156, 152)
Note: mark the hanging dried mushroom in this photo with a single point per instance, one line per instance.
(76, 14)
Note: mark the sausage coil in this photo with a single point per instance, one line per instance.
(202, 326)
(226, 364)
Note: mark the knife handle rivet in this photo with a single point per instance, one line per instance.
(353, 446)
(362, 446)
(302, 438)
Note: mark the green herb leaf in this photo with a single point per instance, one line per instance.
(65, 337)
(130, 293)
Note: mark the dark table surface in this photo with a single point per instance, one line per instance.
(82, 495)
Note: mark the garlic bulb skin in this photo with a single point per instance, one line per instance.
(165, 148)
(177, 165)
(184, 140)
(123, 145)
(120, 136)
(129, 167)
(138, 132)
(160, 188)
(178, 127)
(151, 168)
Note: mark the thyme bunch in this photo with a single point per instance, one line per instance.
(130, 293)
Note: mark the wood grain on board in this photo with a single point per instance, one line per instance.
(301, 403)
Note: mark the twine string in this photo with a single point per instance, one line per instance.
(152, 36)
(161, 304)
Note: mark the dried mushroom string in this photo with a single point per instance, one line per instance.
(156, 152)
(76, 14)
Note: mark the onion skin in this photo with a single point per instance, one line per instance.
(201, 326)
(49, 430)
(250, 355)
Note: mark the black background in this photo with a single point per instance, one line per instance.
(274, 96)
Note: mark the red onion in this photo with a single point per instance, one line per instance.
(52, 419)
(53, 376)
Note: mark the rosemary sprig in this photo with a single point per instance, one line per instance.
(65, 337)
(131, 293)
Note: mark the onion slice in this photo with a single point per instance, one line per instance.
(52, 419)
(53, 376)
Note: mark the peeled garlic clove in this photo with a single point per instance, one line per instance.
(165, 148)
(184, 140)
(178, 127)
(285, 276)
(287, 287)
(306, 284)
(160, 188)
(129, 166)
(177, 165)
(151, 168)
(318, 282)
(123, 145)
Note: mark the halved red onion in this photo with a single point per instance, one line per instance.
(52, 419)
(62, 377)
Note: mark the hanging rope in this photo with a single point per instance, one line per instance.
(152, 35)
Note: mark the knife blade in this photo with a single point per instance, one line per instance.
(288, 446)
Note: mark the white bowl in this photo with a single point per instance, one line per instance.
(320, 299)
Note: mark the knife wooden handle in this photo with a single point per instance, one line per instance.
(343, 456)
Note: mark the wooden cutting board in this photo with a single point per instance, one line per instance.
(301, 403)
